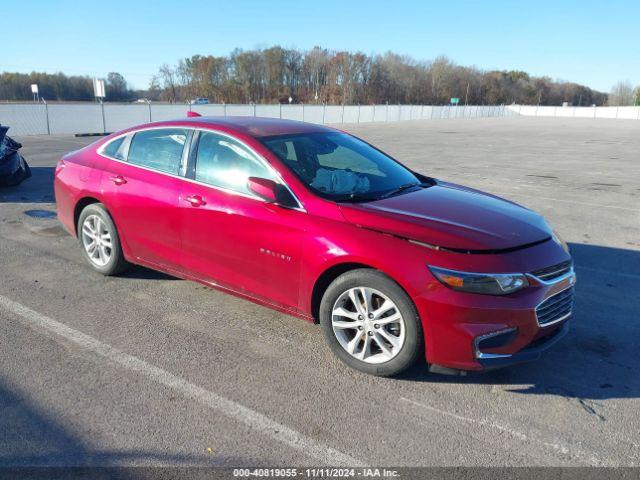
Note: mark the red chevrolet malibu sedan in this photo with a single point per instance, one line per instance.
(317, 223)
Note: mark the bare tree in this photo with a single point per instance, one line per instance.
(622, 94)
(168, 77)
(315, 66)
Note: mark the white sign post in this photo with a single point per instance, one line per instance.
(98, 89)
(34, 90)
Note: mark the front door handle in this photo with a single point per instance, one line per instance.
(118, 179)
(195, 200)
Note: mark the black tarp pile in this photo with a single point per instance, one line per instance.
(13, 168)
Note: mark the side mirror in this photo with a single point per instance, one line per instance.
(272, 192)
(264, 188)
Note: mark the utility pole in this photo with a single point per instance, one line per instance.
(466, 96)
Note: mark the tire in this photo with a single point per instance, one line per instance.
(403, 339)
(106, 259)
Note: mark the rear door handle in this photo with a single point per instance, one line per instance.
(118, 180)
(195, 200)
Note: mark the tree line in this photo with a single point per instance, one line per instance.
(277, 74)
(325, 76)
(58, 86)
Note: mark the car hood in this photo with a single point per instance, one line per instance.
(452, 217)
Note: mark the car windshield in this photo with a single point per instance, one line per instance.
(340, 167)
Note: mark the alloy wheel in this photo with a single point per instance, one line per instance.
(368, 325)
(96, 240)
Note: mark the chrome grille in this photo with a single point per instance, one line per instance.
(555, 271)
(555, 308)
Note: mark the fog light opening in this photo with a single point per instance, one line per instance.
(495, 339)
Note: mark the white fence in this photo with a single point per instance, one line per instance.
(620, 113)
(77, 118)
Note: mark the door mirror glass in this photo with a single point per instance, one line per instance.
(272, 192)
(264, 188)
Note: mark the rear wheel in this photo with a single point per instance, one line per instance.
(370, 323)
(100, 241)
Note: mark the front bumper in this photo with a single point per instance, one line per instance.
(456, 325)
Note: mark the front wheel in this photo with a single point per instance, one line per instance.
(100, 241)
(370, 323)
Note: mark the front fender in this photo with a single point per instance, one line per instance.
(395, 257)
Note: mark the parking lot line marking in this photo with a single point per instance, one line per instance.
(229, 408)
(592, 460)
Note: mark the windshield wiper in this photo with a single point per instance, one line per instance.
(359, 197)
(402, 188)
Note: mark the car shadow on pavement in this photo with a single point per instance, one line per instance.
(598, 359)
(138, 272)
(37, 189)
(31, 437)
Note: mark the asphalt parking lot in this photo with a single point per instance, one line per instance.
(146, 369)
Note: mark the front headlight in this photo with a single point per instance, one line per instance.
(483, 283)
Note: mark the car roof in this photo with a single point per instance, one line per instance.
(257, 126)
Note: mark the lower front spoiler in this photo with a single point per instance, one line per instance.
(527, 354)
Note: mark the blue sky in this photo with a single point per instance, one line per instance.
(589, 42)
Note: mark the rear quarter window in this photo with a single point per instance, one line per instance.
(114, 149)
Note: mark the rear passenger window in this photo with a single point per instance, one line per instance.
(114, 149)
(160, 149)
(225, 163)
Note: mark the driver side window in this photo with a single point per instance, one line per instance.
(225, 163)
